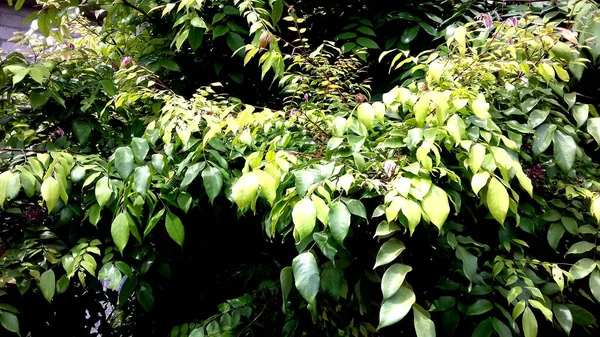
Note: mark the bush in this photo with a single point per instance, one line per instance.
(465, 199)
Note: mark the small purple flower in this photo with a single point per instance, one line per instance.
(293, 112)
(70, 45)
(306, 96)
(486, 19)
(511, 42)
(60, 132)
(512, 22)
(33, 213)
(125, 61)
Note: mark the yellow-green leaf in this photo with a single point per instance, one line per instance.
(304, 216)
(497, 200)
(436, 206)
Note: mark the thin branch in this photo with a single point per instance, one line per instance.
(130, 5)
(305, 154)
(315, 124)
(255, 318)
(8, 149)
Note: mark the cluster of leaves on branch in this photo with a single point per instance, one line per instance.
(463, 202)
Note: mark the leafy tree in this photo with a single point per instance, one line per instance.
(325, 201)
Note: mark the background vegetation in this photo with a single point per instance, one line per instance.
(301, 168)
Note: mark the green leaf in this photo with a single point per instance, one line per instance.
(436, 206)
(153, 221)
(555, 233)
(412, 212)
(409, 34)
(331, 282)
(484, 329)
(286, 278)
(395, 308)
(593, 128)
(124, 161)
(339, 221)
(563, 316)
(235, 42)
(581, 247)
(82, 131)
(469, 262)
(443, 303)
(304, 216)
(388, 252)
(325, 246)
(580, 113)
(580, 315)
(366, 42)
(306, 276)
(43, 21)
(497, 200)
(421, 110)
(355, 207)
(141, 178)
(595, 284)
(537, 117)
(180, 39)
(140, 148)
(10, 322)
(428, 28)
(346, 35)
(366, 30)
(582, 268)
(479, 180)
(303, 180)
(145, 296)
(220, 30)
(195, 37)
(530, 327)
(424, 326)
(38, 98)
(213, 182)
(277, 6)
(175, 228)
(119, 231)
(501, 328)
(198, 332)
(542, 138)
(366, 115)
(393, 278)
(245, 190)
(50, 192)
(565, 150)
(480, 307)
(48, 284)
(268, 186)
(103, 191)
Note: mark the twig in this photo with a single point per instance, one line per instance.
(305, 154)
(130, 5)
(315, 124)
(255, 318)
(8, 149)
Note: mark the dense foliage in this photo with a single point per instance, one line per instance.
(320, 199)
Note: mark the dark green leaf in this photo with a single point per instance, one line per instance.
(366, 42)
(306, 276)
(10, 322)
(213, 182)
(175, 228)
(339, 221)
(564, 150)
(409, 34)
(48, 284)
(120, 231)
(124, 161)
(145, 296)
